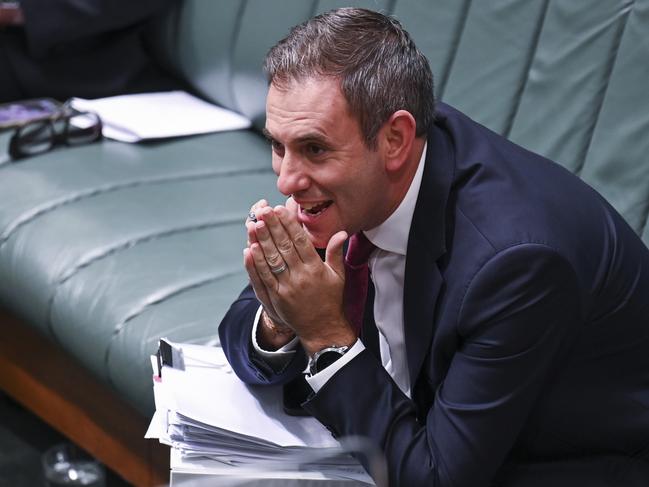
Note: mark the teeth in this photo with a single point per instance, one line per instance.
(310, 206)
(315, 208)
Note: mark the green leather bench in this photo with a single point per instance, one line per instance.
(105, 248)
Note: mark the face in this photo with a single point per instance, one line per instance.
(321, 160)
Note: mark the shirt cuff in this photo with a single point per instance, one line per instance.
(279, 357)
(320, 379)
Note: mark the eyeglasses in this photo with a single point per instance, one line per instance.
(66, 127)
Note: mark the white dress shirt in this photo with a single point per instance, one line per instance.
(387, 270)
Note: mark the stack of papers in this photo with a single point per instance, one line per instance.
(217, 425)
(147, 116)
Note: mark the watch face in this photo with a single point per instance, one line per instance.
(325, 360)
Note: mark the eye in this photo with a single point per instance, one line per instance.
(278, 148)
(315, 149)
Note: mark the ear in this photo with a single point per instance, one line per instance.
(396, 138)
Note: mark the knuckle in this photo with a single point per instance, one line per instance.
(301, 239)
(285, 246)
(274, 260)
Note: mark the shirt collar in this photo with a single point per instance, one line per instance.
(392, 234)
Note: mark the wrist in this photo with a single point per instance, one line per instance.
(344, 337)
(324, 358)
(271, 335)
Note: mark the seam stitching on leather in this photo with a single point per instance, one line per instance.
(602, 98)
(119, 327)
(233, 43)
(72, 271)
(454, 47)
(32, 215)
(518, 96)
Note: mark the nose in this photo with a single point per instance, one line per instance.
(291, 175)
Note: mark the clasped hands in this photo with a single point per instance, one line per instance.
(301, 295)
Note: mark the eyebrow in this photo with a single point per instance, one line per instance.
(267, 134)
(313, 137)
(309, 137)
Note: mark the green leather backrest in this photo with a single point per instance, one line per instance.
(219, 47)
(567, 79)
(617, 160)
(195, 41)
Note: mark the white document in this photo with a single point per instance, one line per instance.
(146, 116)
(227, 403)
(208, 466)
(218, 426)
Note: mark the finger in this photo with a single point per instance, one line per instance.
(334, 253)
(255, 281)
(259, 204)
(251, 233)
(262, 267)
(292, 206)
(254, 208)
(273, 257)
(298, 236)
(280, 238)
(252, 237)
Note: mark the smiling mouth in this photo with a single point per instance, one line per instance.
(315, 209)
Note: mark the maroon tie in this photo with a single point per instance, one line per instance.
(356, 278)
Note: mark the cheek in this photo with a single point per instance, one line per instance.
(357, 197)
(365, 185)
(370, 194)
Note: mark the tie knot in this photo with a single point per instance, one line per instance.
(359, 250)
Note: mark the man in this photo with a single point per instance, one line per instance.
(510, 299)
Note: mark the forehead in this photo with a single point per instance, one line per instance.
(314, 105)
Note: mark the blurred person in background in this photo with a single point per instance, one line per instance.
(83, 48)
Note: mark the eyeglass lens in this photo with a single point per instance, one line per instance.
(35, 137)
(83, 128)
(71, 128)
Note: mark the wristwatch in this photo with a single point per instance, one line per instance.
(325, 357)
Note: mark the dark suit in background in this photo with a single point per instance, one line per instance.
(84, 48)
(526, 309)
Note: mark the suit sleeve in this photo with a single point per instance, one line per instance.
(516, 319)
(235, 333)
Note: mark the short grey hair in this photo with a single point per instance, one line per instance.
(379, 67)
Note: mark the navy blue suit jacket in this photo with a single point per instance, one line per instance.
(526, 307)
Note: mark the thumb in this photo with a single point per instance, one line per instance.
(291, 206)
(334, 253)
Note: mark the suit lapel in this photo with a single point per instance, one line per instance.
(426, 244)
